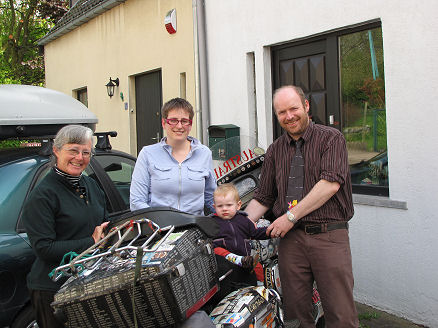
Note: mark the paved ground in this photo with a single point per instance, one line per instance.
(371, 318)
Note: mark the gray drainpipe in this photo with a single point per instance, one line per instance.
(201, 78)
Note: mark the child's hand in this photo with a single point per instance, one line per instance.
(249, 262)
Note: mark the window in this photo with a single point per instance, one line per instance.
(342, 75)
(16, 179)
(82, 96)
(120, 170)
(362, 89)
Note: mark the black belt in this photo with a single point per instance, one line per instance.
(313, 229)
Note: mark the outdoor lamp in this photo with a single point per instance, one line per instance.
(110, 86)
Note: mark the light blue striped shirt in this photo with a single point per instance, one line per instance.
(159, 180)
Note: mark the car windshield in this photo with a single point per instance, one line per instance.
(15, 181)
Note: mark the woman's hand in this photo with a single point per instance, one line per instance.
(98, 232)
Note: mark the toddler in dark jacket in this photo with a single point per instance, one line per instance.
(236, 230)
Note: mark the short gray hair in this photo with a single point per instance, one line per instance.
(72, 134)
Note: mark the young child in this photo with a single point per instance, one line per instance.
(236, 230)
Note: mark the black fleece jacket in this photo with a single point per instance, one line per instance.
(235, 234)
(58, 220)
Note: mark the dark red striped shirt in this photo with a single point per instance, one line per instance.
(325, 157)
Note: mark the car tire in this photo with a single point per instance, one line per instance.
(25, 319)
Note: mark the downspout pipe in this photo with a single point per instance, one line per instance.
(201, 77)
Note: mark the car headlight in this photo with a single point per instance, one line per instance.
(245, 185)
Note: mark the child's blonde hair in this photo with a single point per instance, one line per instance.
(225, 189)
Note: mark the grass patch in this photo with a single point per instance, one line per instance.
(376, 123)
(368, 316)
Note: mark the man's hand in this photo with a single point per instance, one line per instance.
(255, 210)
(279, 227)
(318, 195)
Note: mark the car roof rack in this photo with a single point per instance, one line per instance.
(103, 141)
(46, 146)
(31, 111)
(46, 142)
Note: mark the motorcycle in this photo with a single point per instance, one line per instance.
(260, 306)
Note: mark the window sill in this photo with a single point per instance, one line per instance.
(379, 201)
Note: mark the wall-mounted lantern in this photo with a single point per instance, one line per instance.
(111, 85)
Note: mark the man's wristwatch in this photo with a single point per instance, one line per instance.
(291, 217)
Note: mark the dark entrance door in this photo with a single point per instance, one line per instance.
(148, 99)
(313, 67)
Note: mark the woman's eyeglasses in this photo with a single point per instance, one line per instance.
(175, 121)
(75, 152)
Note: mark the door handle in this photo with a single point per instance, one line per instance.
(157, 137)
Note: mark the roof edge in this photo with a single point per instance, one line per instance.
(51, 36)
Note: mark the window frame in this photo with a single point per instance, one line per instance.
(79, 92)
(117, 202)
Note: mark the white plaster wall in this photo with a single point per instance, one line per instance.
(394, 251)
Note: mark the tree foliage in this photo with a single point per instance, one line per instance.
(22, 23)
(358, 84)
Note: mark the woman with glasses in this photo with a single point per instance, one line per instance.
(64, 213)
(177, 171)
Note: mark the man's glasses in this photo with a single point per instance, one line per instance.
(75, 152)
(175, 121)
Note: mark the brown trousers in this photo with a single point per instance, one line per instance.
(325, 258)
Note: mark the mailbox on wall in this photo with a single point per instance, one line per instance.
(224, 141)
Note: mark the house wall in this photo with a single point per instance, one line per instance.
(395, 257)
(125, 41)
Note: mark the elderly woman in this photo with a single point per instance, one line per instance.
(64, 213)
(177, 171)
